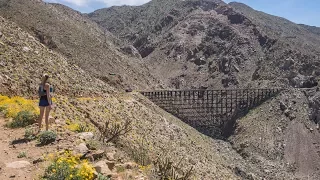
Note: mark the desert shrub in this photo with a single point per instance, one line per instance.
(22, 119)
(83, 128)
(92, 144)
(29, 134)
(22, 154)
(140, 152)
(111, 131)
(120, 169)
(102, 177)
(68, 167)
(47, 137)
(79, 127)
(165, 168)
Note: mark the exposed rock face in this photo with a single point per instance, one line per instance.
(197, 43)
(269, 135)
(132, 51)
(301, 81)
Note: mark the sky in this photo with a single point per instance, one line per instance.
(298, 11)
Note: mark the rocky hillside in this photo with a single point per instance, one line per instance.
(200, 44)
(280, 136)
(81, 41)
(24, 59)
(313, 29)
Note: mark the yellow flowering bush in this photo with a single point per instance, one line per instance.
(68, 167)
(80, 127)
(12, 106)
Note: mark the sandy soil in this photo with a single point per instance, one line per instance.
(12, 143)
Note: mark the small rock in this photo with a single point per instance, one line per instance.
(38, 160)
(283, 107)
(287, 112)
(18, 164)
(81, 148)
(12, 176)
(97, 154)
(130, 165)
(25, 49)
(192, 161)
(110, 156)
(86, 135)
(292, 116)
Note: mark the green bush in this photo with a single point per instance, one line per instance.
(83, 128)
(165, 169)
(93, 144)
(23, 119)
(102, 177)
(22, 154)
(29, 134)
(47, 137)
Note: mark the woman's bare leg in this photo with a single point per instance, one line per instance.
(40, 117)
(47, 117)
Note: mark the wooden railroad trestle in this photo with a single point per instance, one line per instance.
(209, 110)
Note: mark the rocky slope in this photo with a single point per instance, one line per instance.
(80, 40)
(23, 60)
(313, 29)
(195, 44)
(280, 137)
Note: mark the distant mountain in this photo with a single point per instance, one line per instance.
(80, 40)
(209, 44)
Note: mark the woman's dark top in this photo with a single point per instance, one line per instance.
(44, 100)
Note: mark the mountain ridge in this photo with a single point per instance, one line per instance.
(270, 38)
(80, 40)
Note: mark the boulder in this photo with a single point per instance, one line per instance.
(102, 168)
(110, 164)
(86, 135)
(81, 148)
(18, 164)
(301, 81)
(288, 63)
(97, 154)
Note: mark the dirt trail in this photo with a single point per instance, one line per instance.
(11, 144)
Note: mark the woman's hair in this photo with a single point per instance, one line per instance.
(44, 79)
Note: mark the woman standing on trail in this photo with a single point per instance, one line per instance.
(45, 103)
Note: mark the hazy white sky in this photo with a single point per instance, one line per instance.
(298, 11)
